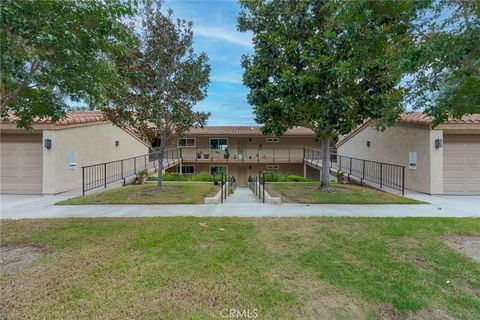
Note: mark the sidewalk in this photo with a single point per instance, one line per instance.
(18, 207)
(242, 195)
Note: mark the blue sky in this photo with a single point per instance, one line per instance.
(215, 33)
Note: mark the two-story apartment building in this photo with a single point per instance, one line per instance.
(243, 151)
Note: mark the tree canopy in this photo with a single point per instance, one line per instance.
(325, 65)
(56, 50)
(165, 79)
(444, 63)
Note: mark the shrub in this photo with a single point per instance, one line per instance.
(202, 176)
(173, 176)
(274, 177)
(295, 178)
(143, 173)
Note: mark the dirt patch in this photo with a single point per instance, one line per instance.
(15, 258)
(468, 245)
(436, 314)
(389, 312)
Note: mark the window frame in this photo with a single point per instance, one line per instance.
(186, 146)
(217, 165)
(186, 165)
(273, 167)
(210, 144)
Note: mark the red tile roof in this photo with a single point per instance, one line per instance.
(245, 131)
(417, 118)
(73, 117)
(77, 117)
(422, 119)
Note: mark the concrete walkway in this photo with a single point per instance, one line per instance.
(17, 207)
(242, 195)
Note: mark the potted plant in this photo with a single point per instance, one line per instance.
(340, 176)
(141, 176)
(206, 155)
(226, 155)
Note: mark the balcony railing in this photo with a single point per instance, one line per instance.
(262, 155)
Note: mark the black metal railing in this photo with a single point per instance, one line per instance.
(381, 173)
(267, 155)
(225, 183)
(102, 174)
(258, 184)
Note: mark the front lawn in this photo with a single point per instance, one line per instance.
(173, 193)
(309, 192)
(195, 268)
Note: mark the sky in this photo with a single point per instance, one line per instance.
(215, 33)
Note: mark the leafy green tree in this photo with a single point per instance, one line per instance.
(52, 50)
(325, 65)
(166, 78)
(445, 62)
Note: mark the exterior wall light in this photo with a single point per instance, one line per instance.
(438, 143)
(368, 144)
(48, 143)
(117, 143)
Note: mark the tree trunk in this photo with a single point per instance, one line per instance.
(161, 156)
(160, 169)
(325, 174)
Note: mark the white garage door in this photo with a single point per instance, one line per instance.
(461, 164)
(21, 164)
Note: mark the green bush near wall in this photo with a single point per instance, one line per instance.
(277, 177)
(175, 176)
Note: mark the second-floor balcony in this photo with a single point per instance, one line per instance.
(239, 155)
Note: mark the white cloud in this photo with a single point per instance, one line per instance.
(242, 39)
(228, 78)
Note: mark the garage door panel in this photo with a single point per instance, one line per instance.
(454, 187)
(21, 165)
(461, 171)
(473, 188)
(472, 160)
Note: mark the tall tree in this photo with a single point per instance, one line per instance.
(325, 65)
(445, 62)
(166, 78)
(52, 50)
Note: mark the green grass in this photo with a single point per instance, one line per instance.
(309, 192)
(289, 268)
(173, 193)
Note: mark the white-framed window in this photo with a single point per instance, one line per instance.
(218, 169)
(273, 140)
(273, 167)
(186, 142)
(218, 143)
(186, 169)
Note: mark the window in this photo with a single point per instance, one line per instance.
(218, 143)
(218, 169)
(273, 140)
(156, 143)
(186, 169)
(186, 142)
(273, 167)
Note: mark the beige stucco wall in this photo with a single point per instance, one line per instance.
(393, 146)
(89, 144)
